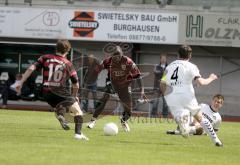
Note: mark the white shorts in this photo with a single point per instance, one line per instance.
(182, 103)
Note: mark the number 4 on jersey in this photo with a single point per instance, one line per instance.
(175, 74)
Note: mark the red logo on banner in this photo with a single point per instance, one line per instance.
(83, 24)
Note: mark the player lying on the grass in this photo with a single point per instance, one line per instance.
(121, 71)
(210, 112)
(180, 95)
(57, 71)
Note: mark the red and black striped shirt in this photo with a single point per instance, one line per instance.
(57, 71)
(121, 73)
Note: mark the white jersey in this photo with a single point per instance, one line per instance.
(179, 76)
(213, 117)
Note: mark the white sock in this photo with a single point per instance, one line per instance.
(206, 125)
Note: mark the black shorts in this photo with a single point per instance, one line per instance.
(54, 100)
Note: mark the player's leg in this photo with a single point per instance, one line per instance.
(180, 114)
(94, 95)
(85, 92)
(99, 109)
(174, 132)
(195, 127)
(196, 130)
(59, 113)
(78, 120)
(125, 97)
(125, 116)
(207, 126)
(193, 130)
(182, 118)
(205, 123)
(55, 102)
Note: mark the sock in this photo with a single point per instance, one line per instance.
(125, 116)
(78, 124)
(101, 106)
(60, 111)
(206, 125)
(183, 122)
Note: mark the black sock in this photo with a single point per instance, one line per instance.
(78, 124)
(126, 116)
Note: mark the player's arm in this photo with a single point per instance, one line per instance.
(74, 80)
(37, 65)
(75, 88)
(136, 74)
(140, 84)
(25, 76)
(103, 65)
(163, 86)
(205, 81)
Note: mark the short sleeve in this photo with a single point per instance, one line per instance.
(195, 72)
(39, 63)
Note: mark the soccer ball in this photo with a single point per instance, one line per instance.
(110, 129)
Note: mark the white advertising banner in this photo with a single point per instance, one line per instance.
(210, 29)
(121, 26)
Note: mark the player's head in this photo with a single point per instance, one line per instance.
(217, 102)
(91, 58)
(163, 58)
(63, 47)
(185, 52)
(117, 55)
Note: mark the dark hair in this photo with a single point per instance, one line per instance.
(218, 96)
(185, 52)
(63, 46)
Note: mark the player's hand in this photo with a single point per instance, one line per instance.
(145, 98)
(18, 88)
(213, 76)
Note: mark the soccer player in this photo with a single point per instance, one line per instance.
(210, 112)
(121, 71)
(89, 84)
(180, 94)
(57, 71)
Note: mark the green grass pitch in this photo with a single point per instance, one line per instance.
(37, 138)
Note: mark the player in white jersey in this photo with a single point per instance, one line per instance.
(180, 95)
(210, 112)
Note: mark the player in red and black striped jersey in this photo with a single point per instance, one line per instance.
(121, 71)
(57, 71)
